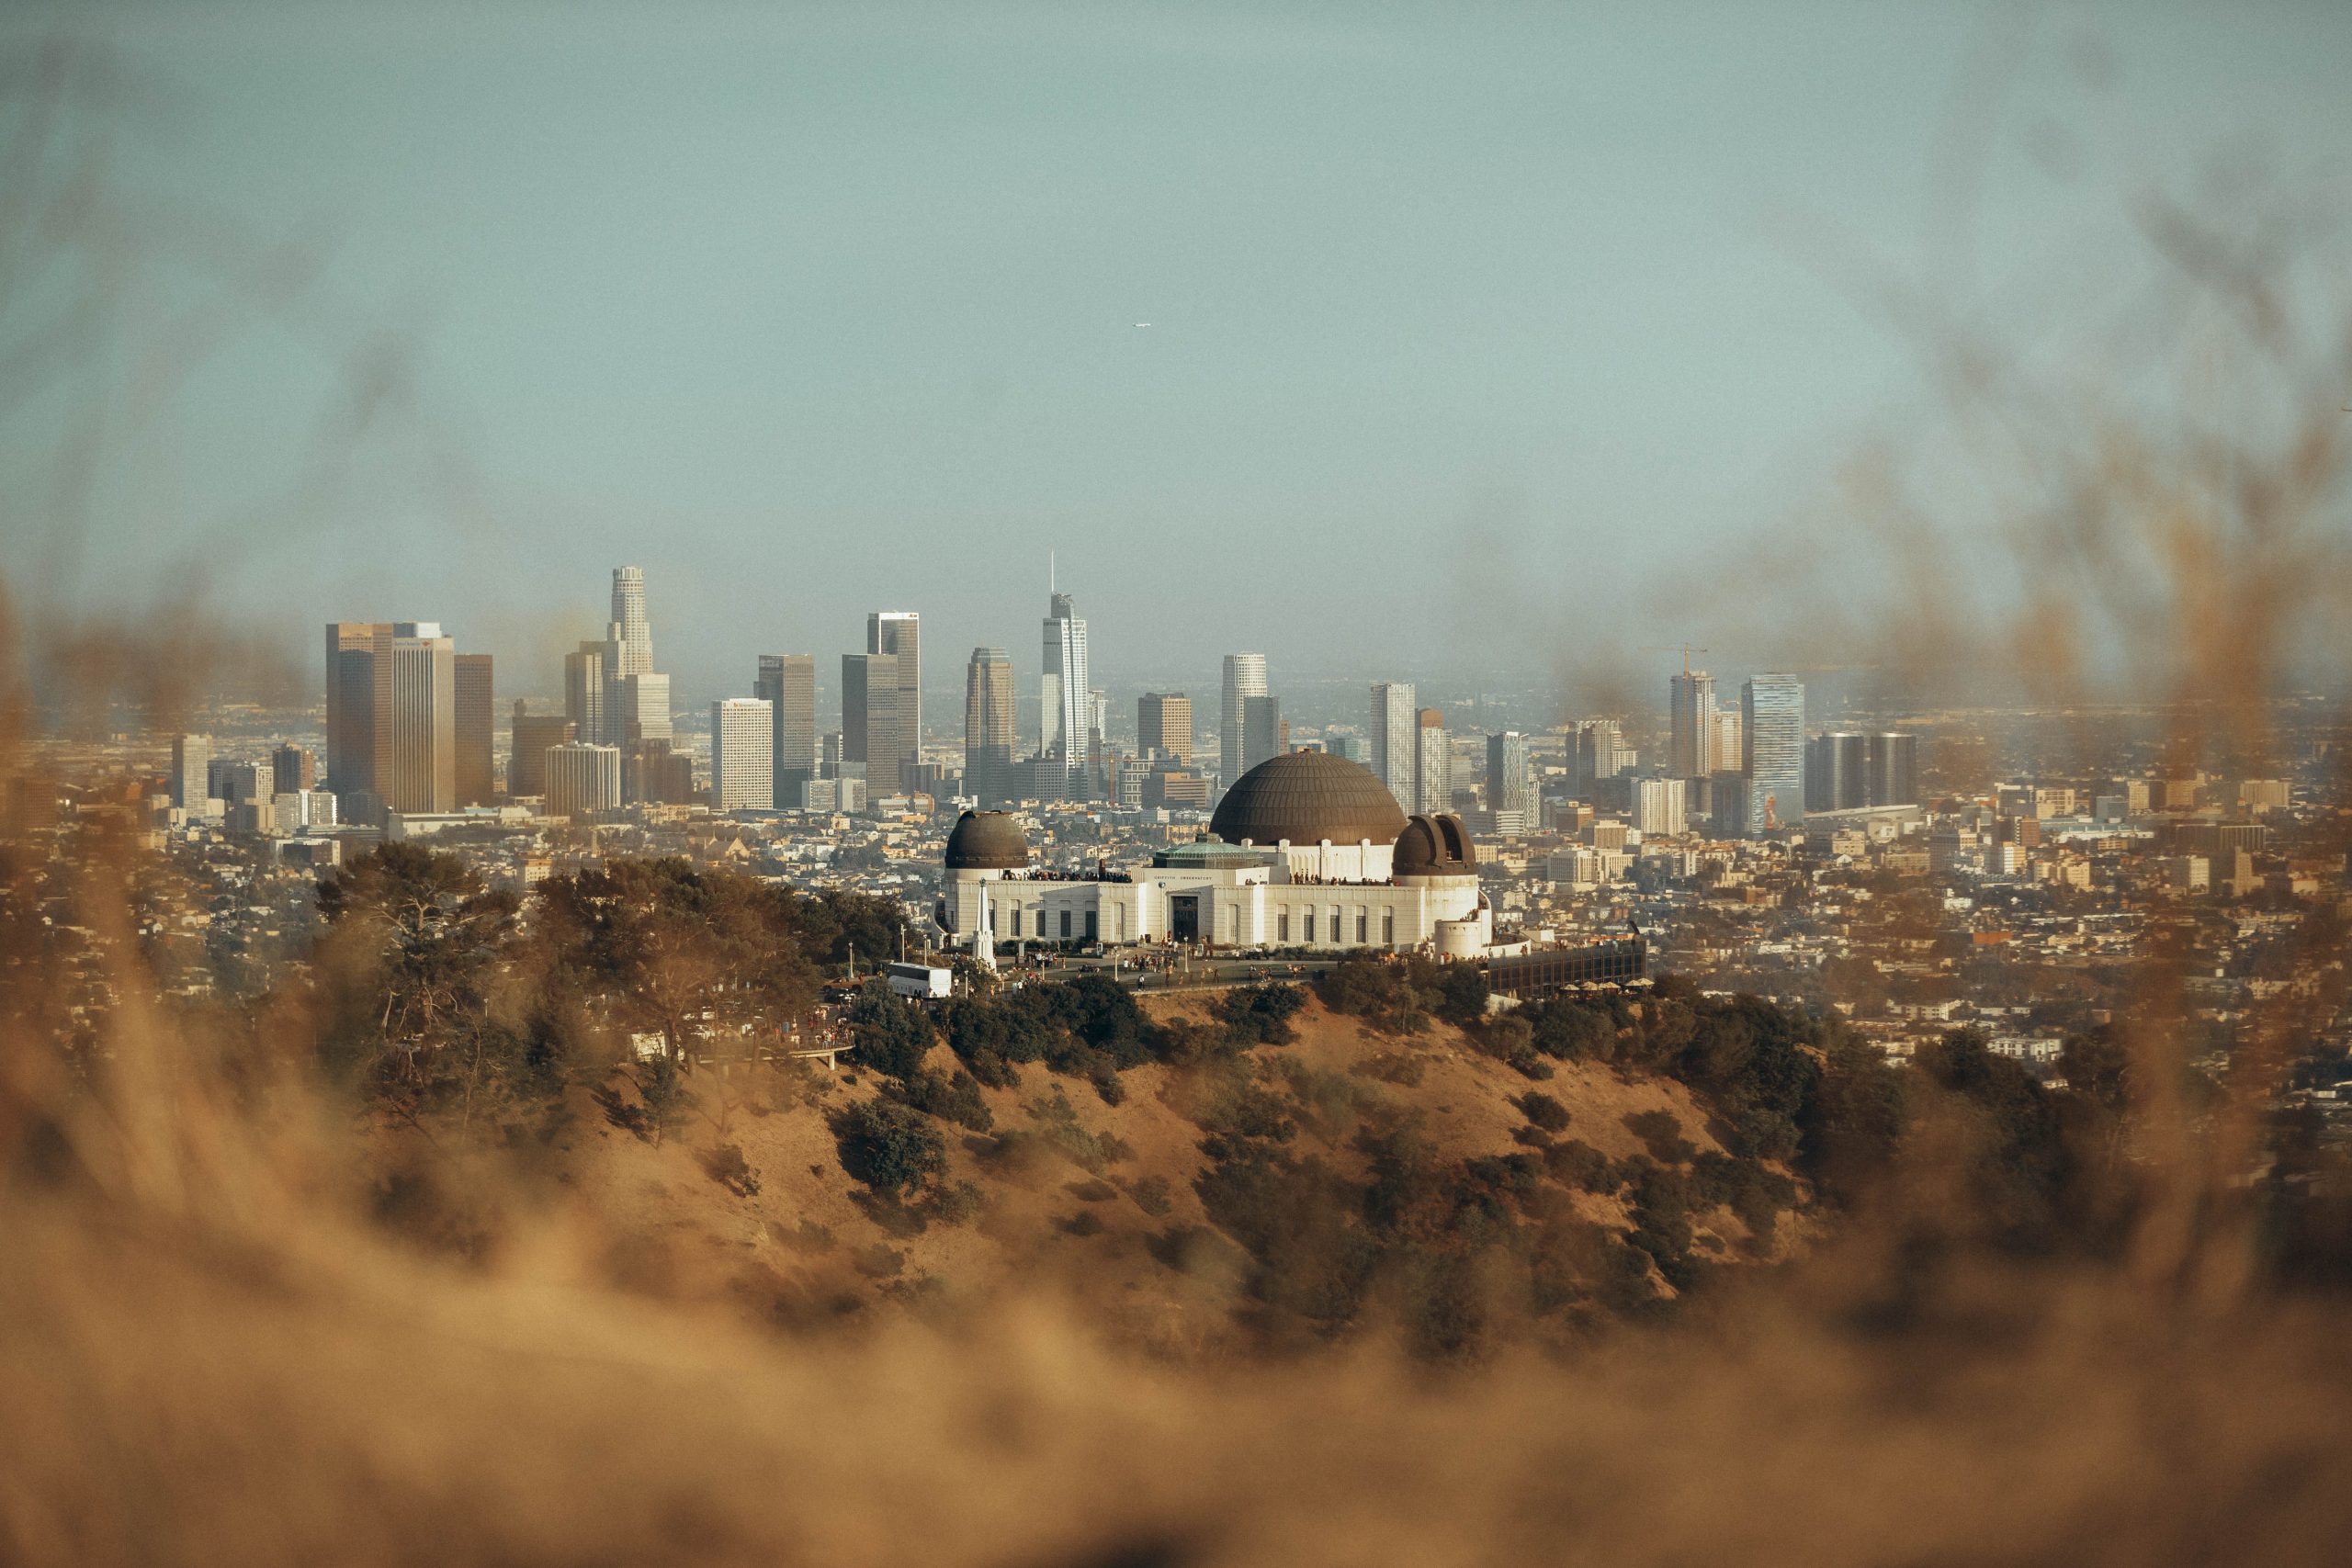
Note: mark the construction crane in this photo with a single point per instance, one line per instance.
(1684, 649)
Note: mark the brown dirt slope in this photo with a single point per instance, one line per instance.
(809, 1242)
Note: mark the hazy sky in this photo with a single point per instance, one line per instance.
(1469, 324)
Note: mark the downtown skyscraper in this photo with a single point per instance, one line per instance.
(788, 681)
(477, 725)
(1690, 744)
(988, 726)
(636, 698)
(1395, 732)
(898, 633)
(1063, 691)
(1771, 711)
(1245, 677)
(1164, 726)
(391, 689)
(870, 732)
(742, 754)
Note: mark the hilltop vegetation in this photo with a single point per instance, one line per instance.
(1260, 1168)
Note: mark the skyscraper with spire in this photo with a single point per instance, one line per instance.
(1063, 690)
(636, 699)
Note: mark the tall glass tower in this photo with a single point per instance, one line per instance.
(1772, 711)
(1062, 718)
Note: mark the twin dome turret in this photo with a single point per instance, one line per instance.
(987, 840)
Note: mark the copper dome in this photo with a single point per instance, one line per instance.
(987, 840)
(1434, 846)
(1306, 797)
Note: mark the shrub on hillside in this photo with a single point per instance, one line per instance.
(1260, 1015)
(1542, 1110)
(893, 1149)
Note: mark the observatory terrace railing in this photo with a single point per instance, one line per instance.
(1551, 970)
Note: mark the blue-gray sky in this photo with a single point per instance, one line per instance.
(1469, 323)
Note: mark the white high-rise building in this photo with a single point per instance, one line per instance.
(1062, 692)
(191, 771)
(1395, 746)
(416, 694)
(1434, 780)
(742, 754)
(1660, 807)
(1245, 677)
(630, 634)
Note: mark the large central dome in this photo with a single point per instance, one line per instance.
(1306, 797)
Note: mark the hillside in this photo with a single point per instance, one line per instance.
(1108, 1200)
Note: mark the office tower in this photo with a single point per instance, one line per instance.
(191, 771)
(1659, 808)
(1511, 782)
(1836, 771)
(788, 681)
(1693, 702)
(1062, 689)
(583, 691)
(1164, 726)
(742, 754)
(654, 775)
(300, 811)
(351, 708)
(416, 719)
(988, 726)
(1098, 747)
(1352, 747)
(1893, 770)
(292, 769)
(1261, 725)
(232, 782)
(1395, 739)
(637, 707)
(1434, 764)
(1723, 747)
(1245, 677)
(1727, 804)
(1127, 782)
(1772, 717)
(870, 731)
(533, 734)
(476, 724)
(900, 634)
(629, 640)
(582, 779)
(1600, 754)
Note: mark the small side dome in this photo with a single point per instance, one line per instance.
(987, 840)
(1433, 846)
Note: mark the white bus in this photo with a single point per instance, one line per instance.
(920, 980)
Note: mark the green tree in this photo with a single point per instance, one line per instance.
(892, 1033)
(893, 1149)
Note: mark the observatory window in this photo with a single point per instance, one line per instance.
(1065, 925)
(1310, 925)
(1388, 927)
(1362, 933)
(1282, 926)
